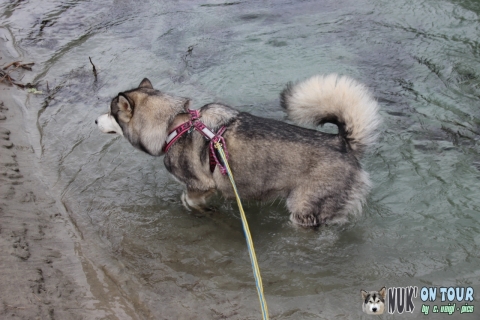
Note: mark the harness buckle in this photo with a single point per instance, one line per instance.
(195, 114)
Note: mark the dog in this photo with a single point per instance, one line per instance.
(373, 301)
(319, 174)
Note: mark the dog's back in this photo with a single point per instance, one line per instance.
(320, 174)
(317, 172)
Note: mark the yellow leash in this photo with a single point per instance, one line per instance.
(251, 250)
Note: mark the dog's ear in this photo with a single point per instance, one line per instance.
(145, 84)
(364, 294)
(383, 292)
(125, 109)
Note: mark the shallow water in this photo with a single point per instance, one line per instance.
(420, 226)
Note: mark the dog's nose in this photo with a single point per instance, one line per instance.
(96, 121)
(374, 309)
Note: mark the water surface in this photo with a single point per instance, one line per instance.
(420, 225)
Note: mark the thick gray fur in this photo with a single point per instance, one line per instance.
(318, 174)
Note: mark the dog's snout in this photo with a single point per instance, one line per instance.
(374, 309)
(96, 122)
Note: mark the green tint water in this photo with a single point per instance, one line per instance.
(420, 226)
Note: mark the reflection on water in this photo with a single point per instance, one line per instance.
(420, 225)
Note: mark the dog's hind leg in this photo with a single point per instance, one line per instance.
(197, 200)
(302, 212)
(310, 209)
(331, 208)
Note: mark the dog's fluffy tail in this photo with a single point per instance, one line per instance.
(338, 100)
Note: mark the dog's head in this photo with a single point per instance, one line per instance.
(373, 301)
(143, 116)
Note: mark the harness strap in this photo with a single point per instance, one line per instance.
(196, 124)
(176, 134)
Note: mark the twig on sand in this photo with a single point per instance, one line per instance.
(37, 297)
(19, 64)
(14, 307)
(5, 75)
(94, 69)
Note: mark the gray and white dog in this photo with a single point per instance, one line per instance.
(374, 301)
(319, 174)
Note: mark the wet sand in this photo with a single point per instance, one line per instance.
(43, 273)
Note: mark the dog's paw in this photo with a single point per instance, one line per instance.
(197, 207)
(183, 197)
(309, 221)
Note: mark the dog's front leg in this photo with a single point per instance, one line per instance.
(197, 200)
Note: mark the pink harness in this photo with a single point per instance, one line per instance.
(195, 124)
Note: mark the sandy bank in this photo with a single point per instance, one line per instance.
(43, 272)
